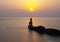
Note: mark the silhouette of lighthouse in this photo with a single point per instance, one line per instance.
(30, 23)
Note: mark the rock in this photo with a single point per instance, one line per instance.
(43, 30)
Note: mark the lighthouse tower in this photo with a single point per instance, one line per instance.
(30, 23)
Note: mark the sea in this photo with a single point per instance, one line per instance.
(16, 29)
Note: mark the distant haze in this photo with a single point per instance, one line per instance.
(19, 8)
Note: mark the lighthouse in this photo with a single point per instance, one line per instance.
(30, 23)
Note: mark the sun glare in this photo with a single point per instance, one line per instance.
(31, 5)
(31, 9)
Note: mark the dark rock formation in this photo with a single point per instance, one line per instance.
(42, 30)
(52, 32)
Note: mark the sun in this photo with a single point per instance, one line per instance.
(31, 9)
(31, 5)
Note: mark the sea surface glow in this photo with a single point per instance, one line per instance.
(16, 30)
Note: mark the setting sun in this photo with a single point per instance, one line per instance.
(31, 9)
(31, 5)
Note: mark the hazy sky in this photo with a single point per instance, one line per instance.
(20, 8)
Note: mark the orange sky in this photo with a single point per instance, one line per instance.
(41, 7)
(26, 4)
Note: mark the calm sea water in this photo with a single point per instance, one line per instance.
(16, 30)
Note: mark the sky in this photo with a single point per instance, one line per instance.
(29, 8)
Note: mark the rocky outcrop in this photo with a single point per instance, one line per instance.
(43, 30)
